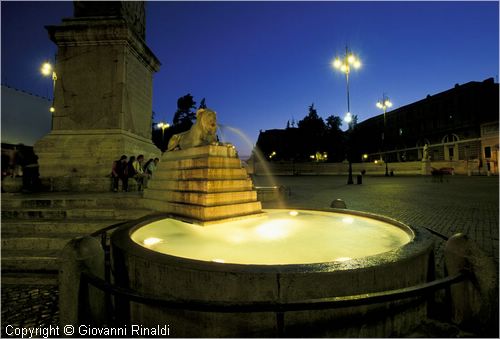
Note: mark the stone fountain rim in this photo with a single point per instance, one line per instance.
(421, 241)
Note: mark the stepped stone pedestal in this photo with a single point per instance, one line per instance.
(203, 184)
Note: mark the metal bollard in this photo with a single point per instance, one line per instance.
(359, 179)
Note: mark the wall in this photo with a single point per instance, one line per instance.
(460, 167)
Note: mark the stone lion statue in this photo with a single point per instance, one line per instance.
(201, 133)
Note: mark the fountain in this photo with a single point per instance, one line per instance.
(216, 245)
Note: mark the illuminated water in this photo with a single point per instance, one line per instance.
(278, 237)
(256, 151)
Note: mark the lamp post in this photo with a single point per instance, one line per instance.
(163, 126)
(348, 121)
(344, 65)
(48, 70)
(383, 104)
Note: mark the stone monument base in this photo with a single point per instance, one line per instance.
(202, 184)
(82, 160)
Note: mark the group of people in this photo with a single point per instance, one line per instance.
(125, 168)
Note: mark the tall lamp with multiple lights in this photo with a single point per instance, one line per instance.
(384, 104)
(344, 64)
(163, 126)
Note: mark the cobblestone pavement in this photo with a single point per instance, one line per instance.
(458, 204)
(28, 306)
(468, 205)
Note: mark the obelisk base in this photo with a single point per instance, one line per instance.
(81, 161)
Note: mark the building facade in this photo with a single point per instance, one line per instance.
(460, 124)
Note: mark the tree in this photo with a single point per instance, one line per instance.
(185, 115)
(334, 139)
(312, 122)
(353, 122)
(184, 118)
(202, 104)
(312, 130)
(333, 123)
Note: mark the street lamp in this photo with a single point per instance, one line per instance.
(163, 126)
(48, 70)
(383, 104)
(345, 64)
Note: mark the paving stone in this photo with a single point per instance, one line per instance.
(29, 306)
(469, 205)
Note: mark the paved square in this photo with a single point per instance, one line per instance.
(458, 204)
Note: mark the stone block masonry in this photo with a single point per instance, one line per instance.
(202, 184)
(102, 100)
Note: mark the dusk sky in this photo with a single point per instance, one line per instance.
(260, 64)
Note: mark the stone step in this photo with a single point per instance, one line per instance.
(201, 198)
(203, 174)
(12, 227)
(210, 186)
(73, 213)
(23, 261)
(204, 213)
(126, 200)
(212, 162)
(29, 278)
(41, 241)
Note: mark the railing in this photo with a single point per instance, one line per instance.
(436, 233)
(280, 307)
(274, 306)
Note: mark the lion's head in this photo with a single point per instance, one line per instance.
(208, 121)
(201, 133)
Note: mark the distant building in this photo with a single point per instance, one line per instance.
(458, 124)
(25, 117)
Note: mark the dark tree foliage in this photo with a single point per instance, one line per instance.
(334, 139)
(312, 135)
(312, 131)
(184, 118)
(312, 122)
(333, 123)
(185, 114)
(202, 104)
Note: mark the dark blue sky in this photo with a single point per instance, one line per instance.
(259, 64)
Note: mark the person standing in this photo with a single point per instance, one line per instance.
(120, 172)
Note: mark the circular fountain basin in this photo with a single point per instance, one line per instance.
(282, 256)
(279, 237)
